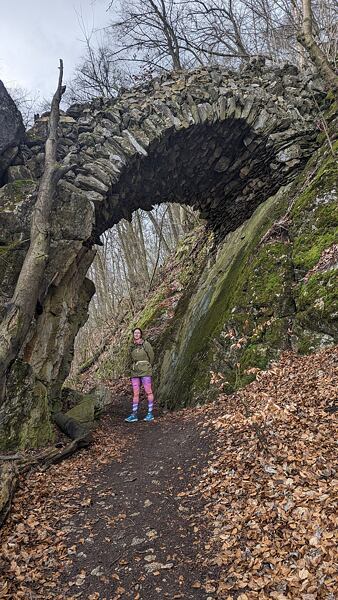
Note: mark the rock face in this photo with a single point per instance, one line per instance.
(11, 130)
(222, 142)
(272, 286)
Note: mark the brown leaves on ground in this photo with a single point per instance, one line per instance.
(33, 546)
(271, 486)
(269, 495)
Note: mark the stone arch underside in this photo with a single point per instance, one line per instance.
(218, 141)
(221, 143)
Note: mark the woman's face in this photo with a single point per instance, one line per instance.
(137, 335)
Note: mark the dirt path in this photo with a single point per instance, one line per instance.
(149, 508)
(135, 535)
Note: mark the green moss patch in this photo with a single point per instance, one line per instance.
(315, 217)
(317, 303)
(36, 430)
(15, 192)
(84, 412)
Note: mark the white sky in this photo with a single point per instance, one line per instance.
(34, 34)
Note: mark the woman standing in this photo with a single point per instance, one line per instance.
(141, 358)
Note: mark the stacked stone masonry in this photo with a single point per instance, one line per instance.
(220, 141)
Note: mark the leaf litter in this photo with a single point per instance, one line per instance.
(271, 486)
(267, 499)
(33, 542)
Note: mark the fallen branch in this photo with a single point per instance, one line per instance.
(8, 485)
(4, 457)
(9, 473)
(67, 451)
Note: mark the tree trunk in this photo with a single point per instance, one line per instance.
(21, 308)
(129, 272)
(173, 225)
(159, 232)
(143, 252)
(305, 37)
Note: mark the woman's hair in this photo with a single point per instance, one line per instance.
(138, 329)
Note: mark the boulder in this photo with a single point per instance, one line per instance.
(11, 129)
(18, 173)
(84, 412)
(102, 397)
(86, 408)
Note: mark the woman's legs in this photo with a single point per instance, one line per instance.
(147, 384)
(136, 383)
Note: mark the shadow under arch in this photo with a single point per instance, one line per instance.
(221, 169)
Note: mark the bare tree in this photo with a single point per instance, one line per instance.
(20, 310)
(217, 29)
(27, 103)
(318, 57)
(99, 72)
(231, 32)
(149, 36)
(152, 33)
(275, 28)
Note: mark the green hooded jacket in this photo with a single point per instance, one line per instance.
(141, 359)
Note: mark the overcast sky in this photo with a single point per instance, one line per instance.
(34, 34)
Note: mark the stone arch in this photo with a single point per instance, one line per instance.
(219, 141)
(222, 142)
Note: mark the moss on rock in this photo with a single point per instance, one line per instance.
(315, 214)
(15, 192)
(317, 303)
(252, 301)
(28, 423)
(84, 412)
(231, 288)
(37, 429)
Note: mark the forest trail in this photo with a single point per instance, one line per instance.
(232, 500)
(139, 539)
(122, 526)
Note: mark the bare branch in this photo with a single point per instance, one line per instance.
(306, 38)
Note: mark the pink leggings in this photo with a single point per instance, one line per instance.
(147, 384)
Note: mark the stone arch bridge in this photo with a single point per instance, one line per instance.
(219, 141)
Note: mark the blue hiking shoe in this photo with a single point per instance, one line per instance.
(132, 418)
(149, 417)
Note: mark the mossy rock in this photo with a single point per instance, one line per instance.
(37, 429)
(213, 304)
(84, 412)
(315, 217)
(15, 192)
(252, 292)
(306, 341)
(317, 303)
(152, 311)
(264, 287)
(69, 398)
(28, 423)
